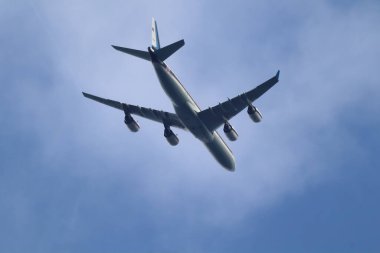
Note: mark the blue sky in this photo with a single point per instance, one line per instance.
(74, 179)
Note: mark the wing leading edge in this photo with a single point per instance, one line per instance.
(216, 116)
(167, 118)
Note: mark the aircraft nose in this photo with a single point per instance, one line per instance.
(229, 164)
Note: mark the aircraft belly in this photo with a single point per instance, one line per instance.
(221, 152)
(212, 140)
(187, 111)
(183, 104)
(192, 122)
(170, 85)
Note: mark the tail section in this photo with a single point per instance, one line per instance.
(160, 53)
(155, 38)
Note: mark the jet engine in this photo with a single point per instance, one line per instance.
(131, 123)
(230, 132)
(254, 114)
(171, 137)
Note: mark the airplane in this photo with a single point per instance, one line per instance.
(188, 115)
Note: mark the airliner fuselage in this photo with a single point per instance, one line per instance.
(187, 110)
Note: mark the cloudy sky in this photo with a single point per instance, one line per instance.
(74, 179)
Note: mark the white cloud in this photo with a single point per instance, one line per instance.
(315, 87)
(328, 63)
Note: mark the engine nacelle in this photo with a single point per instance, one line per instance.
(230, 132)
(131, 123)
(254, 114)
(171, 137)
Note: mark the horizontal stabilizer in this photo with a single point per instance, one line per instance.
(138, 53)
(166, 52)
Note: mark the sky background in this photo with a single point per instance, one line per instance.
(74, 179)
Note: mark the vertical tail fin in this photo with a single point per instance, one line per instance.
(155, 38)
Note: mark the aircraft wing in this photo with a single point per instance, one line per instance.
(167, 118)
(216, 116)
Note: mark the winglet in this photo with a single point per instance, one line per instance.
(278, 75)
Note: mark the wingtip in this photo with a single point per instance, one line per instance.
(117, 48)
(278, 75)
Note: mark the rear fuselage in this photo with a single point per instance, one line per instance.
(187, 110)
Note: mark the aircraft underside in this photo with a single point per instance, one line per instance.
(188, 116)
